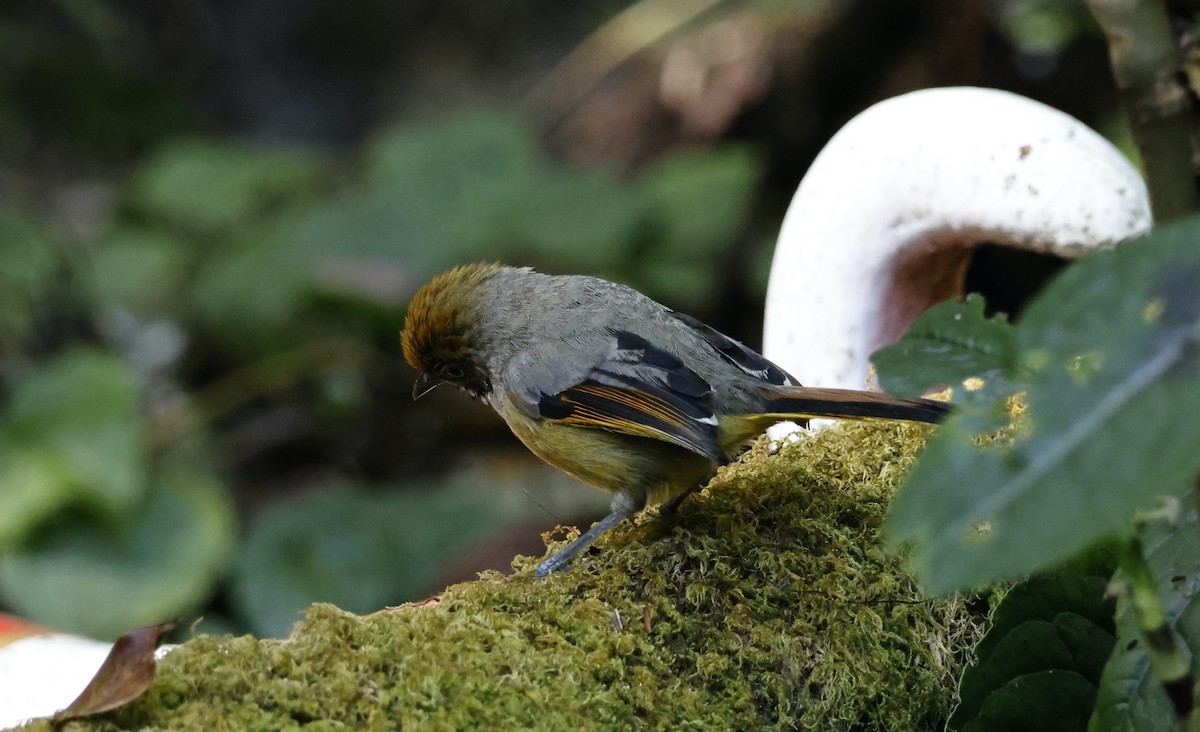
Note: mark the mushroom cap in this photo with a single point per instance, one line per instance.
(884, 221)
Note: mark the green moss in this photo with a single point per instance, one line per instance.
(766, 602)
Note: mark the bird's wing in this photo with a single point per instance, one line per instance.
(748, 360)
(639, 389)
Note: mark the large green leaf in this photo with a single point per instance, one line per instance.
(949, 342)
(1042, 701)
(1110, 348)
(33, 485)
(454, 175)
(1042, 28)
(477, 186)
(579, 219)
(358, 550)
(1045, 597)
(1131, 698)
(89, 578)
(1050, 623)
(472, 186)
(476, 151)
(254, 288)
(213, 184)
(78, 419)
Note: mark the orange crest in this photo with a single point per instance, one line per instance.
(441, 314)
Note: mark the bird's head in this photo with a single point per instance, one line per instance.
(439, 331)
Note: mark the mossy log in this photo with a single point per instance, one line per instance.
(767, 601)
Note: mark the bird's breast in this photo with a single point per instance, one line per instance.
(646, 469)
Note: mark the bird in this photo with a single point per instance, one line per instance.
(611, 386)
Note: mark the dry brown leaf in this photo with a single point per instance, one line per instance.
(124, 676)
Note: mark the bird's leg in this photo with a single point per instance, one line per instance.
(623, 506)
(668, 506)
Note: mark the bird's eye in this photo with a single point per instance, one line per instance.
(452, 371)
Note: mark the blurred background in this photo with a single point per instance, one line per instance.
(213, 213)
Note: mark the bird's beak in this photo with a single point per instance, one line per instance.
(424, 384)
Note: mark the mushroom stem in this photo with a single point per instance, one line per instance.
(885, 221)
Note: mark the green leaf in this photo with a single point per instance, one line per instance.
(475, 150)
(695, 204)
(477, 186)
(579, 219)
(453, 175)
(950, 342)
(81, 413)
(100, 582)
(1045, 597)
(27, 254)
(434, 195)
(1068, 644)
(253, 289)
(1088, 643)
(33, 485)
(28, 261)
(69, 433)
(700, 199)
(1111, 352)
(1131, 698)
(1049, 701)
(1042, 28)
(1052, 622)
(1033, 645)
(358, 550)
(215, 185)
(138, 268)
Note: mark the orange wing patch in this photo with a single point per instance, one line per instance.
(652, 412)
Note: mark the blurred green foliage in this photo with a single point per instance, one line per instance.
(1044, 27)
(100, 578)
(357, 549)
(118, 473)
(430, 196)
(63, 77)
(71, 434)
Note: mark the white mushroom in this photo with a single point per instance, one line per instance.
(883, 224)
(44, 673)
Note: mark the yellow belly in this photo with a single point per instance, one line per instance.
(646, 469)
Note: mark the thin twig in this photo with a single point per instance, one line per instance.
(627, 34)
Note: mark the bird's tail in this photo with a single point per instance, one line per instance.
(800, 402)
